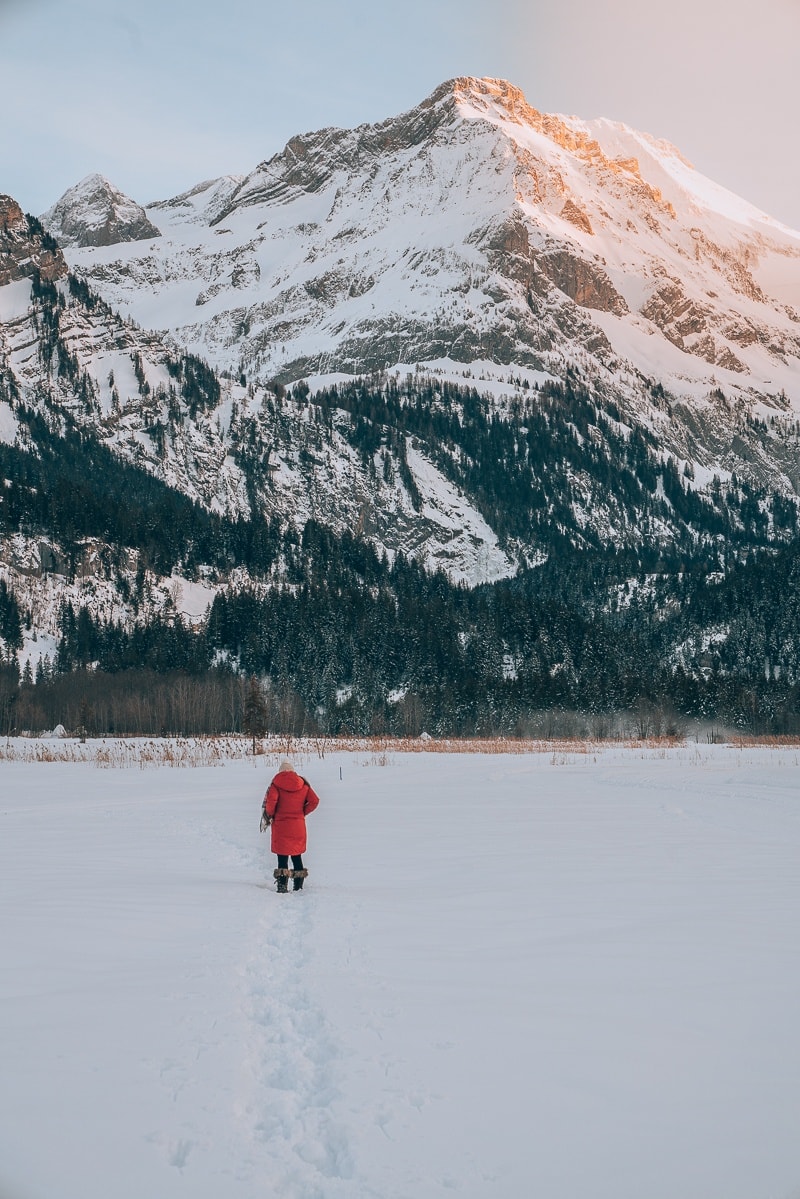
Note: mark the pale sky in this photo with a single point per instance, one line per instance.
(160, 94)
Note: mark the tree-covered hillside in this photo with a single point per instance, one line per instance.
(640, 596)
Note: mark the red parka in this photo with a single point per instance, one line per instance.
(288, 801)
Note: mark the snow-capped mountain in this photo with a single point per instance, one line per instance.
(503, 249)
(95, 213)
(474, 336)
(470, 228)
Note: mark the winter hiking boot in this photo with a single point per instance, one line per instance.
(298, 876)
(282, 880)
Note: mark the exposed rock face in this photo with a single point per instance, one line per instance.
(585, 282)
(95, 213)
(25, 248)
(582, 280)
(11, 216)
(574, 213)
(675, 314)
(689, 325)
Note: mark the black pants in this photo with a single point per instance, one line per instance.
(283, 861)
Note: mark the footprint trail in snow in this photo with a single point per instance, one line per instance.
(293, 1060)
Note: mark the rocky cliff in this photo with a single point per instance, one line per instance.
(26, 249)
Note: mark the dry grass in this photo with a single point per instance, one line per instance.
(479, 745)
(112, 753)
(785, 741)
(187, 752)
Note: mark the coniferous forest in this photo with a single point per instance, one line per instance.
(648, 632)
(366, 649)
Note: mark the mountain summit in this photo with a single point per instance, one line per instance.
(473, 227)
(95, 213)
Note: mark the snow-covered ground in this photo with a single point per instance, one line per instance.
(552, 975)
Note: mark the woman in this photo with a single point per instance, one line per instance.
(287, 802)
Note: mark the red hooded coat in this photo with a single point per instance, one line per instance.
(288, 801)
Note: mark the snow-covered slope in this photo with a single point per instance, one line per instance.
(471, 227)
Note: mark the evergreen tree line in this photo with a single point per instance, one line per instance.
(355, 645)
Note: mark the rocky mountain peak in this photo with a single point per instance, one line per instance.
(95, 213)
(502, 103)
(309, 161)
(472, 227)
(494, 96)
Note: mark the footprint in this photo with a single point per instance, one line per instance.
(180, 1154)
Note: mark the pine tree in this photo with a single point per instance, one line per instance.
(255, 717)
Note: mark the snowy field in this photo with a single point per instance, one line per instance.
(569, 976)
